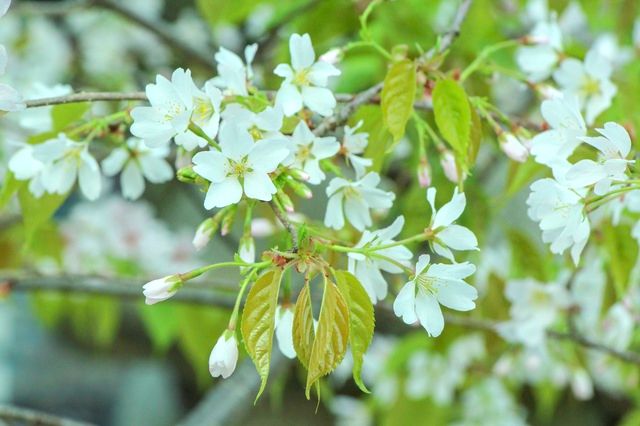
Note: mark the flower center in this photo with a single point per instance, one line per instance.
(351, 192)
(427, 283)
(590, 86)
(238, 168)
(304, 153)
(301, 78)
(202, 111)
(172, 110)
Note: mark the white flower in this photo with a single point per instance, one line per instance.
(284, 331)
(61, 161)
(358, 198)
(266, 123)
(137, 162)
(170, 111)
(614, 146)
(240, 160)
(174, 106)
(539, 61)
(367, 267)
(353, 146)
(161, 289)
(559, 211)
(10, 99)
(247, 249)
(607, 46)
(420, 298)
(552, 147)
(534, 307)
(305, 80)
(233, 75)
(448, 163)
(447, 234)
(39, 120)
(513, 148)
(4, 6)
(589, 82)
(307, 149)
(350, 411)
(224, 356)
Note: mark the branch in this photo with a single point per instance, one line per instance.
(227, 402)
(284, 220)
(449, 37)
(23, 416)
(165, 36)
(86, 97)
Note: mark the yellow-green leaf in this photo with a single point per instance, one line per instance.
(361, 321)
(453, 115)
(66, 114)
(10, 186)
(380, 140)
(37, 211)
(397, 97)
(475, 137)
(332, 335)
(258, 322)
(303, 333)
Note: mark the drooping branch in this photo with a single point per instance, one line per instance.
(23, 416)
(220, 295)
(167, 37)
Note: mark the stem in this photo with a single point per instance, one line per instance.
(199, 271)
(284, 220)
(405, 268)
(98, 122)
(596, 202)
(86, 97)
(366, 250)
(236, 307)
(197, 130)
(484, 54)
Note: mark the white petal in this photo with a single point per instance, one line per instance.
(289, 99)
(404, 305)
(267, 154)
(301, 49)
(155, 169)
(115, 161)
(131, 181)
(458, 238)
(235, 141)
(211, 165)
(450, 211)
(258, 185)
(319, 99)
(89, 176)
(334, 218)
(429, 313)
(224, 193)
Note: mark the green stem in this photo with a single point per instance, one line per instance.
(98, 123)
(596, 202)
(199, 132)
(484, 55)
(366, 250)
(371, 44)
(199, 271)
(236, 307)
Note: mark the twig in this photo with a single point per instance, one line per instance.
(86, 97)
(159, 31)
(23, 416)
(284, 220)
(449, 37)
(630, 357)
(227, 402)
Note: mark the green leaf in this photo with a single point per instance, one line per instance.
(332, 334)
(37, 211)
(379, 137)
(303, 333)
(161, 323)
(10, 186)
(258, 322)
(453, 115)
(216, 11)
(397, 97)
(66, 114)
(95, 319)
(620, 252)
(475, 137)
(361, 321)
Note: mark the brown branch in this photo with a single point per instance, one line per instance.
(284, 220)
(167, 37)
(23, 416)
(449, 37)
(86, 97)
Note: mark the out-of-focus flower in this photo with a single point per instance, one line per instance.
(448, 163)
(353, 146)
(539, 61)
(234, 76)
(264, 124)
(513, 148)
(284, 331)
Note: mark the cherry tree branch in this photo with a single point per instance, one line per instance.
(86, 97)
(23, 416)
(284, 220)
(167, 37)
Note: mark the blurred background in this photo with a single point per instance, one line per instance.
(108, 359)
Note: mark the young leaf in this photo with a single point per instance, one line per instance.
(398, 94)
(379, 137)
(330, 343)
(37, 211)
(475, 137)
(303, 333)
(10, 186)
(453, 115)
(258, 322)
(361, 321)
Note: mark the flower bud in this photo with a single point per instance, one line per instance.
(247, 249)
(512, 147)
(548, 91)
(284, 331)
(424, 173)
(228, 219)
(261, 227)
(300, 189)
(285, 201)
(224, 356)
(187, 175)
(332, 56)
(204, 232)
(448, 163)
(299, 174)
(161, 289)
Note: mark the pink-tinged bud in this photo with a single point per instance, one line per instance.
(510, 145)
(285, 201)
(299, 174)
(224, 356)
(161, 289)
(448, 163)
(227, 220)
(332, 56)
(424, 173)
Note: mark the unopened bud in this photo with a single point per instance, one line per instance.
(247, 249)
(285, 201)
(299, 174)
(548, 91)
(424, 172)
(513, 148)
(332, 56)
(204, 232)
(448, 163)
(300, 189)
(187, 175)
